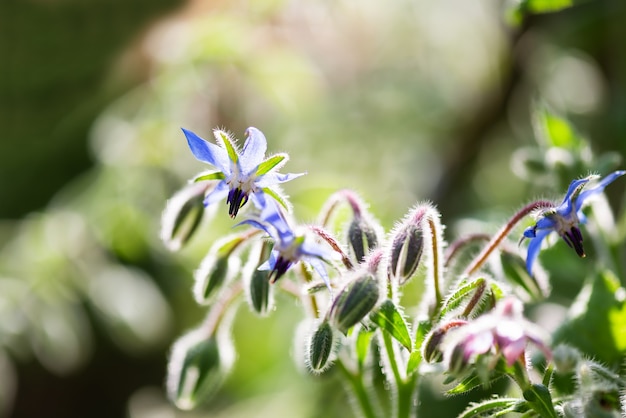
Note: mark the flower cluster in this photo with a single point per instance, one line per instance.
(350, 277)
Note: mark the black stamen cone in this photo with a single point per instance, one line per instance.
(280, 268)
(574, 239)
(236, 199)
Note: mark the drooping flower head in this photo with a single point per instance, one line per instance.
(504, 331)
(290, 245)
(565, 218)
(242, 174)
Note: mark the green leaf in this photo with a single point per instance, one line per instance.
(390, 320)
(492, 406)
(546, 6)
(475, 379)
(540, 400)
(596, 327)
(216, 175)
(423, 328)
(555, 130)
(362, 346)
(228, 144)
(269, 164)
(464, 293)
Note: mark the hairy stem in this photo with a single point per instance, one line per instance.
(361, 395)
(219, 309)
(480, 259)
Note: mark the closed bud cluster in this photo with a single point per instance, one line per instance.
(216, 269)
(320, 348)
(354, 302)
(407, 246)
(196, 369)
(182, 215)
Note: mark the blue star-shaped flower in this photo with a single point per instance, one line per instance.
(290, 246)
(243, 174)
(565, 218)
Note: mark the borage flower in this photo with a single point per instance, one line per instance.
(290, 246)
(243, 174)
(565, 218)
(503, 331)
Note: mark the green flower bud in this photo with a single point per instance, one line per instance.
(354, 302)
(182, 215)
(259, 291)
(362, 237)
(320, 348)
(407, 246)
(217, 268)
(197, 367)
(565, 359)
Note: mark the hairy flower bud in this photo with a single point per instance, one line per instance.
(362, 237)
(354, 301)
(216, 268)
(407, 246)
(431, 349)
(182, 215)
(320, 347)
(259, 291)
(196, 368)
(257, 282)
(565, 358)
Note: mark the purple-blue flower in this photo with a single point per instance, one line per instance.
(565, 218)
(243, 174)
(290, 245)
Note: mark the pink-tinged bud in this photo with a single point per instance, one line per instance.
(405, 254)
(431, 349)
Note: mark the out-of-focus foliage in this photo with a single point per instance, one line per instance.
(403, 101)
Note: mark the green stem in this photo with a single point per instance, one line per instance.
(361, 395)
(480, 259)
(219, 309)
(437, 262)
(404, 387)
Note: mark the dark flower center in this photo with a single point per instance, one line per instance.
(236, 199)
(574, 239)
(280, 268)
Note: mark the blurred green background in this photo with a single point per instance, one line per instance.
(403, 101)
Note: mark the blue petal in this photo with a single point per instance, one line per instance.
(315, 250)
(208, 152)
(544, 223)
(533, 249)
(253, 150)
(258, 199)
(319, 267)
(530, 232)
(598, 189)
(566, 207)
(269, 263)
(272, 215)
(217, 194)
(258, 225)
(270, 179)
